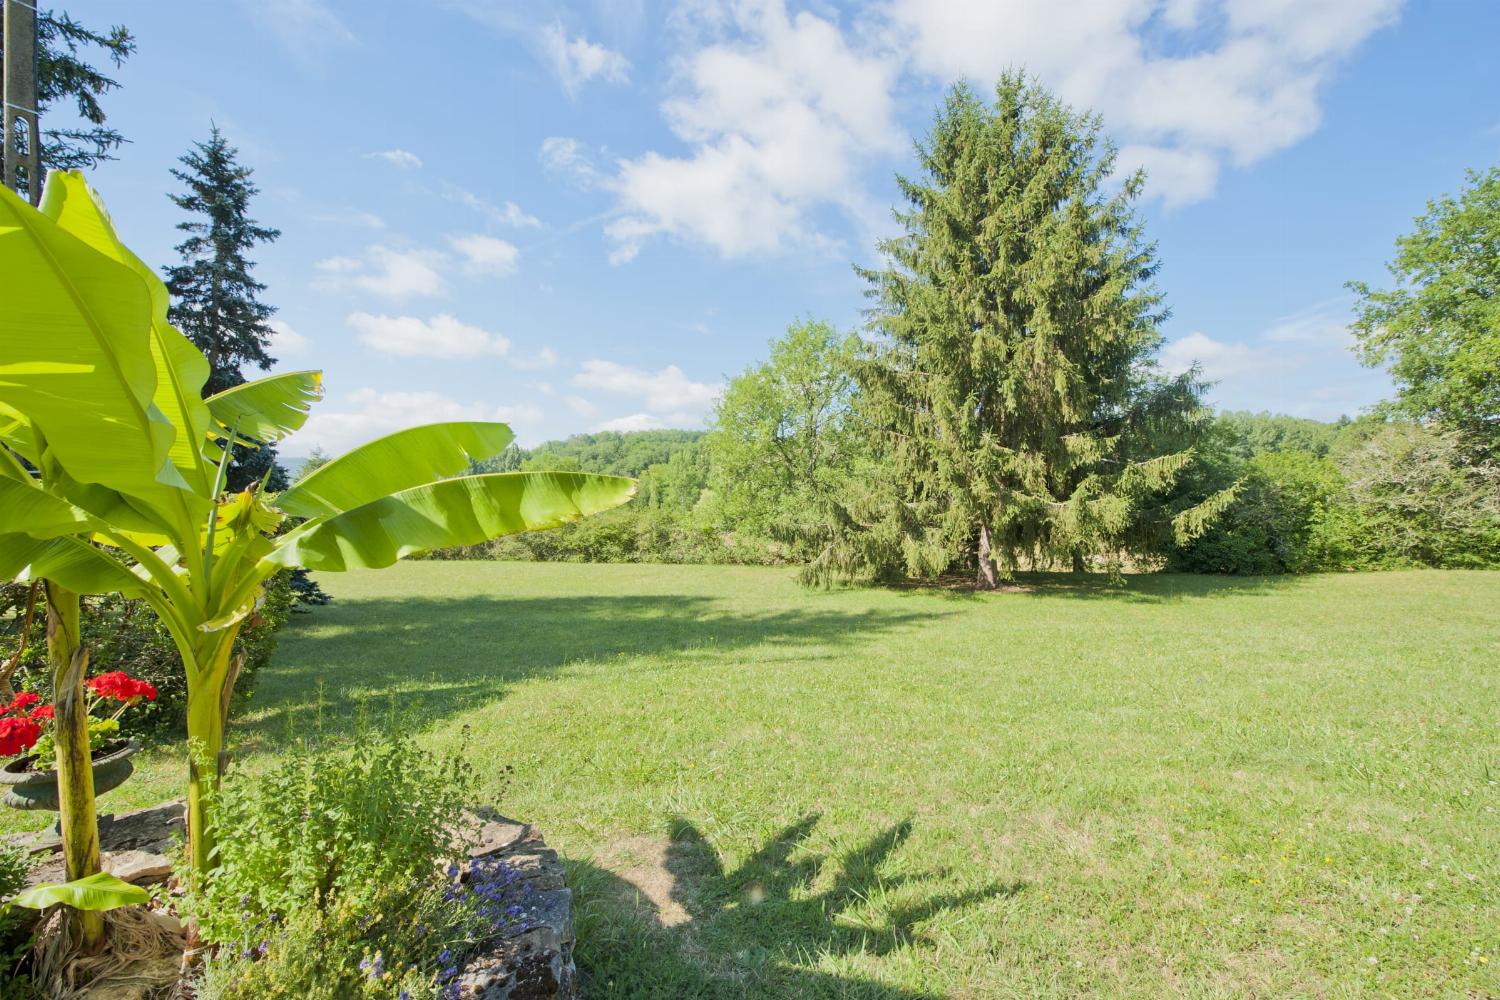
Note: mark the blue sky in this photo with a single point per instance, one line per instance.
(589, 215)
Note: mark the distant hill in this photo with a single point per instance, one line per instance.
(616, 453)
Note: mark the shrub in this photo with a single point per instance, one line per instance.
(325, 825)
(328, 882)
(1424, 498)
(394, 942)
(1292, 515)
(15, 941)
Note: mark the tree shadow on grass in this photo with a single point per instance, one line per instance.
(755, 931)
(438, 657)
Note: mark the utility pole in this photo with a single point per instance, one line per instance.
(23, 134)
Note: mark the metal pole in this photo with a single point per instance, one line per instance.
(23, 139)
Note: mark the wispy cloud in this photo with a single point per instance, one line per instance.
(486, 255)
(577, 60)
(442, 336)
(304, 28)
(401, 158)
(388, 273)
(505, 214)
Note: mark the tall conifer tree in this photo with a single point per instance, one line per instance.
(215, 296)
(1014, 382)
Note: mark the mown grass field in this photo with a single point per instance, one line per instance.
(1185, 786)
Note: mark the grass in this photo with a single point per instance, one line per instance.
(1187, 786)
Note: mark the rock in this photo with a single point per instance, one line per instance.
(139, 841)
(531, 958)
(137, 867)
(496, 835)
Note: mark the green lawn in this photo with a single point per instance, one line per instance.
(1183, 787)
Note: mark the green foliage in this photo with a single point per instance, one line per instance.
(786, 436)
(1291, 514)
(383, 946)
(1423, 498)
(1244, 435)
(1383, 495)
(1015, 397)
(613, 453)
(100, 731)
(328, 826)
(1438, 329)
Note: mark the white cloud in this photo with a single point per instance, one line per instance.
(368, 414)
(565, 156)
(778, 119)
(581, 406)
(302, 27)
(546, 357)
(338, 265)
(440, 337)
(401, 158)
(506, 214)
(664, 391)
(285, 341)
(486, 255)
(578, 60)
(1241, 80)
(634, 422)
(1218, 358)
(389, 273)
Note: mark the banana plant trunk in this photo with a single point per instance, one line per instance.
(215, 670)
(75, 775)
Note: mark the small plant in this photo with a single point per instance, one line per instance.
(26, 724)
(330, 877)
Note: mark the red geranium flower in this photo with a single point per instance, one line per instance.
(42, 713)
(17, 735)
(121, 686)
(23, 701)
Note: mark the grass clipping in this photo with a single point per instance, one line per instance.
(141, 951)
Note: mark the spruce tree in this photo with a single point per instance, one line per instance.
(215, 297)
(1013, 382)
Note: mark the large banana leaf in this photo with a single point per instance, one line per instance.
(462, 511)
(100, 891)
(267, 409)
(181, 369)
(27, 509)
(399, 461)
(75, 564)
(75, 355)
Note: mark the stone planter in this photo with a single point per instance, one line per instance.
(38, 789)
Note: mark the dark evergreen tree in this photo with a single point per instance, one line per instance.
(215, 297)
(1014, 385)
(63, 73)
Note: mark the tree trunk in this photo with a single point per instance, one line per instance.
(988, 579)
(75, 775)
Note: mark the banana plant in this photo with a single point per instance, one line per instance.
(113, 465)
